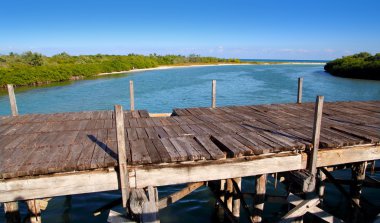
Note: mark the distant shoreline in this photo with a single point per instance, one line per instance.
(209, 65)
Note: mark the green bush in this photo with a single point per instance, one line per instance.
(361, 65)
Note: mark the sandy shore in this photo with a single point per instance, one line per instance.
(206, 65)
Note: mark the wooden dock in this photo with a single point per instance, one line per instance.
(45, 155)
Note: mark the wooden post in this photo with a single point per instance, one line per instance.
(34, 211)
(220, 210)
(12, 100)
(299, 96)
(213, 94)
(236, 199)
(260, 189)
(358, 177)
(150, 208)
(132, 95)
(12, 214)
(122, 157)
(229, 193)
(312, 162)
(321, 185)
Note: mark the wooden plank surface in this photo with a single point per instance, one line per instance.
(39, 144)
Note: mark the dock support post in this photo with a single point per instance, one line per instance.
(213, 94)
(220, 210)
(260, 190)
(12, 99)
(236, 199)
(34, 211)
(122, 157)
(358, 177)
(150, 208)
(229, 193)
(12, 214)
(321, 184)
(132, 95)
(299, 96)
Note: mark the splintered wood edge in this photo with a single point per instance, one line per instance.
(170, 174)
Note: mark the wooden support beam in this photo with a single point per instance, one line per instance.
(136, 201)
(236, 197)
(302, 178)
(34, 211)
(213, 94)
(12, 99)
(299, 95)
(259, 199)
(150, 208)
(79, 182)
(229, 194)
(312, 162)
(358, 177)
(300, 209)
(132, 95)
(237, 188)
(12, 213)
(316, 211)
(121, 150)
(166, 201)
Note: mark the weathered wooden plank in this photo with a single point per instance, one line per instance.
(139, 152)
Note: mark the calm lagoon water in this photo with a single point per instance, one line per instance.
(162, 90)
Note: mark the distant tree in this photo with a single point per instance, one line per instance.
(33, 59)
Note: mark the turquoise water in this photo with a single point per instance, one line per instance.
(162, 90)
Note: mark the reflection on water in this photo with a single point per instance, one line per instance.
(162, 90)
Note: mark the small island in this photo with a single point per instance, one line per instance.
(359, 66)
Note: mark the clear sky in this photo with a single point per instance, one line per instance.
(265, 29)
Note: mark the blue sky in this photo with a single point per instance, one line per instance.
(266, 29)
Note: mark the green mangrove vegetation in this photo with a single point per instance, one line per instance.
(361, 66)
(32, 68)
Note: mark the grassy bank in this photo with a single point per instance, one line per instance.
(360, 66)
(36, 69)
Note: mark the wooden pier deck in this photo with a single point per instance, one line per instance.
(44, 155)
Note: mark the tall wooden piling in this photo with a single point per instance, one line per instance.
(213, 94)
(132, 95)
(299, 95)
(12, 99)
(312, 162)
(259, 199)
(12, 214)
(121, 150)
